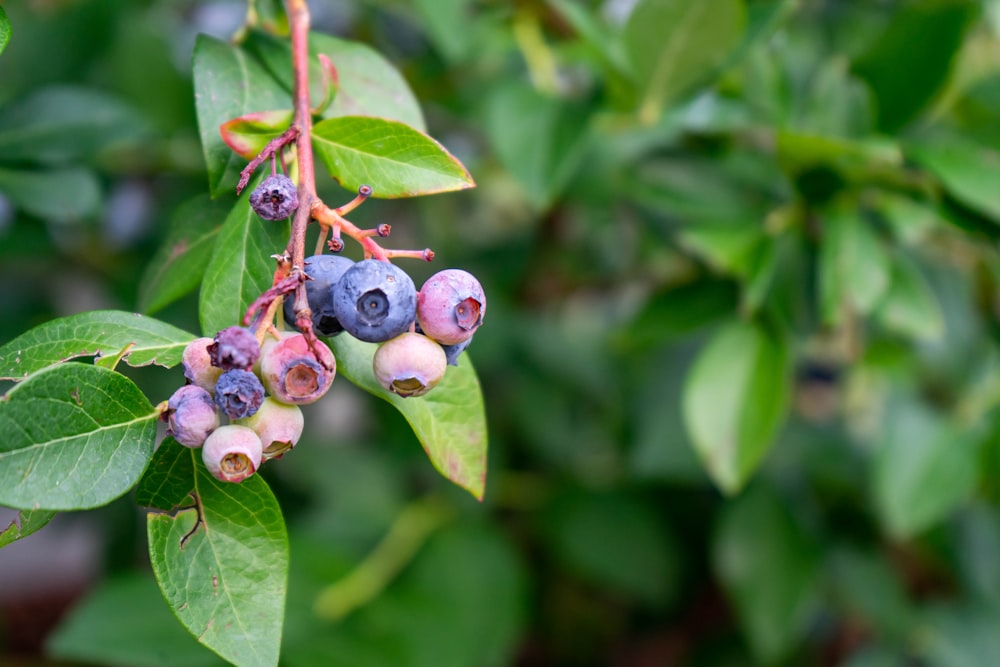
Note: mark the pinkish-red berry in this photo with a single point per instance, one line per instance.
(232, 453)
(291, 372)
(451, 306)
(410, 364)
(278, 425)
(197, 362)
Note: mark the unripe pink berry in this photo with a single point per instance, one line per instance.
(191, 415)
(291, 373)
(278, 425)
(451, 306)
(232, 453)
(197, 362)
(410, 364)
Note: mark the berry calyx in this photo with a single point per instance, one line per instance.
(239, 393)
(375, 301)
(191, 415)
(197, 363)
(291, 373)
(451, 306)
(410, 364)
(278, 425)
(275, 198)
(234, 348)
(232, 453)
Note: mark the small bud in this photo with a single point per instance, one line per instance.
(232, 453)
(197, 362)
(234, 348)
(239, 393)
(410, 364)
(275, 198)
(278, 425)
(191, 415)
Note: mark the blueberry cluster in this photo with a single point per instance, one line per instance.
(419, 333)
(258, 388)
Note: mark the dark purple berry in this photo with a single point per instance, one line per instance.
(197, 362)
(375, 301)
(291, 372)
(239, 393)
(451, 306)
(275, 198)
(278, 425)
(234, 348)
(191, 415)
(410, 364)
(232, 453)
(325, 271)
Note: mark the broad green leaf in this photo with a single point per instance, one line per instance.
(675, 45)
(450, 25)
(867, 586)
(103, 333)
(75, 437)
(4, 30)
(179, 264)
(166, 484)
(241, 268)
(730, 248)
(910, 307)
(968, 171)
(449, 421)
(923, 36)
(853, 264)
(959, 633)
(123, 622)
(855, 159)
(60, 194)
(28, 522)
(61, 124)
(225, 576)
(925, 468)
(229, 83)
(911, 220)
(392, 157)
(543, 154)
(679, 310)
(769, 570)
(367, 83)
(250, 133)
(734, 401)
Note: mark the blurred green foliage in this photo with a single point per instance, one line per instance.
(747, 246)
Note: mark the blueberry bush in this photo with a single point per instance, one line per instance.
(738, 379)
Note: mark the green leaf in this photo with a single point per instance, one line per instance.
(450, 421)
(911, 220)
(959, 633)
(179, 264)
(248, 134)
(734, 401)
(75, 437)
(768, 569)
(675, 45)
(166, 484)
(969, 172)
(853, 265)
(925, 37)
(62, 195)
(544, 154)
(104, 333)
(925, 468)
(241, 268)
(225, 576)
(868, 586)
(450, 25)
(910, 306)
(393, 158)
(28, 522)
(63, 124)
(229, 83)
(679, 310)
(124, 622)
(4, 30)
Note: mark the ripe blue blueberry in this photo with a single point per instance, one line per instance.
(275, 198)
(375, 301)
(234, 347)
(239, 393)
(291, 372)
(451, 306)
(232, 453)
(451, 352)
(191, 415)
(325, 271)
(410, 364)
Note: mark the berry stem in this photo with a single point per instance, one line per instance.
(298, 20)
